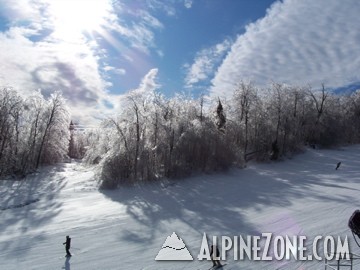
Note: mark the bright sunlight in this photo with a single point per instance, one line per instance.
(73, 18)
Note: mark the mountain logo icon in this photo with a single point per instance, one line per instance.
(174, 249)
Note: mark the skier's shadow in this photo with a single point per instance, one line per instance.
(67, 263)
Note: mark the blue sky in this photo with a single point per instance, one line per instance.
(97, 50)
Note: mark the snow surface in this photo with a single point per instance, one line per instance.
(126, 228)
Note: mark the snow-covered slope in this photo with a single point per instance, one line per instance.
(125, 229)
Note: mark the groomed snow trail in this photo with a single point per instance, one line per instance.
(126, 228)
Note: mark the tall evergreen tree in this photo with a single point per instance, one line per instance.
(220, 117)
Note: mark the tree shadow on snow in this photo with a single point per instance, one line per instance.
(218, 204)
(29, 203)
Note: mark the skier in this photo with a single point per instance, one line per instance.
(338, 166)
(67, 244)
(215, 255)
(275, 150)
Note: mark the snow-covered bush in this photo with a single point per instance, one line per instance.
(153, 137)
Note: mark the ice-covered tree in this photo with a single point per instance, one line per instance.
(33, 131)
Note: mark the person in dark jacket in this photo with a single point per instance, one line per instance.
(67, 245)
(215, 255)
(338, 165)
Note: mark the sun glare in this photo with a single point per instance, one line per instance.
(74, 17)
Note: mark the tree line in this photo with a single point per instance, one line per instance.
(155, 137)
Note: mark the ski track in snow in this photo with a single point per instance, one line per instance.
(125, 229)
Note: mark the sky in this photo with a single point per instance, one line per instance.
(95, 51)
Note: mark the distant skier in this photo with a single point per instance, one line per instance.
(338, 165)
(67, 244)
(215, 255)
(275, 150)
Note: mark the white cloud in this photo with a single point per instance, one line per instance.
(296, 42)
(119, 71)
(188, 3)
(150, 20)
(19, 10)
(146, 88)
(166, 6)
(205, 63)
(137, 26)
(34, 55)
(71, 68)
(160, 53)
(149, 83)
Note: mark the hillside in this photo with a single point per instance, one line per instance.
(126, 228)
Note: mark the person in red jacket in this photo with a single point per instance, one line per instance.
(67, 244)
